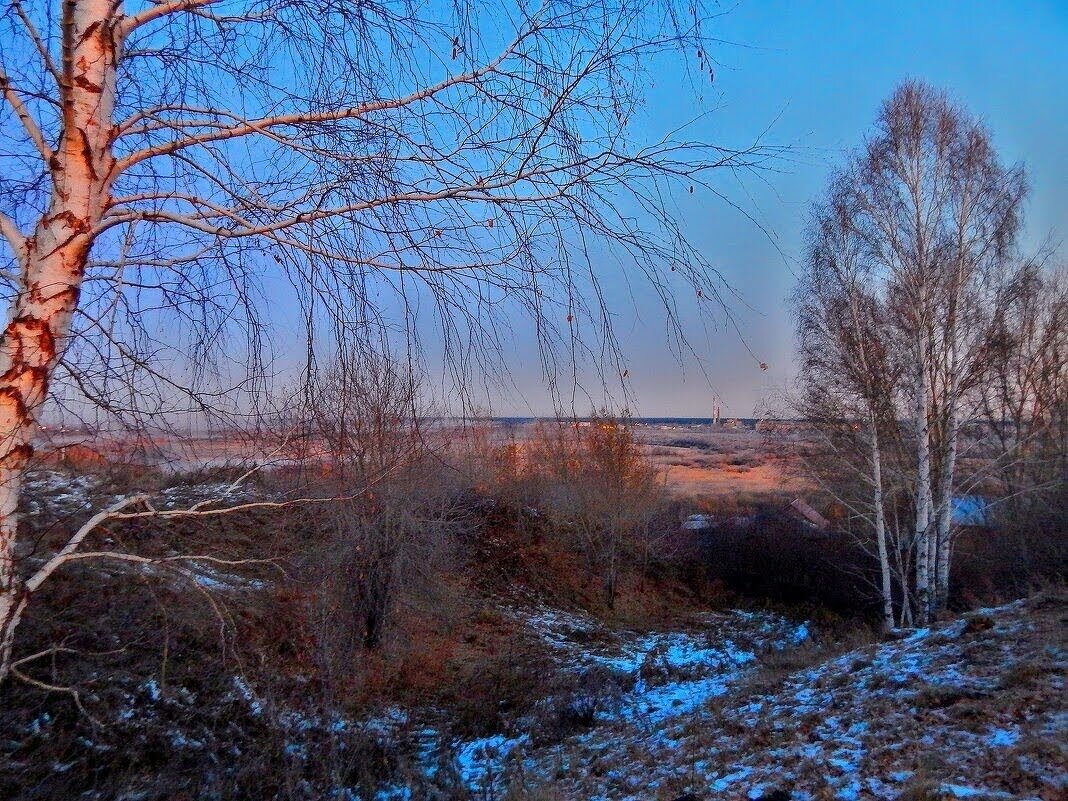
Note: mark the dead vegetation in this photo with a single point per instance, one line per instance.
(404, 599)
(390, 599)
(932, 716)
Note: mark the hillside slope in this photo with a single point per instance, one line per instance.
(969, 709)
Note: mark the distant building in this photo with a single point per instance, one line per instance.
(807, 515)
(971, 510)
(697, 523)
(738, 424)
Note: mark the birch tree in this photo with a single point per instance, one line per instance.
(934, 216)
(849, 375)
(171, 169)
(939, 214)
(985, 203)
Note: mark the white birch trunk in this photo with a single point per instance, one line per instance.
(52, 265)
(923, 485)
(948, 461)
(906, 606)
(932, 543)
(880, 526)
(944, 526)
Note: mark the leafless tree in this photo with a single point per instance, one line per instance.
(849, 375)
(1023, 396)
(931, 217)
(171, 169)
(392, 541)
(361, 424)
(360, 417)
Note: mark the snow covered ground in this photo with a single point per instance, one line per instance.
(974, 709)
(652, 678)
(62, 494)
(715, 709)
(971, 709)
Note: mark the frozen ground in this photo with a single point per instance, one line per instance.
(64, 495)
(655, 677)
(970, 709)
(60, 493)
(973, 709)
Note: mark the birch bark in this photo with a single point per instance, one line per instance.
(880, 525)
(52, 263)
(923, 493)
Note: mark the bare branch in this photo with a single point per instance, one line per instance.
(88, 527)
(265, 125)
(13, 235)
(30, 126)
(156, 11)
(38, 42)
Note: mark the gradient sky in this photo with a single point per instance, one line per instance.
(813, 74)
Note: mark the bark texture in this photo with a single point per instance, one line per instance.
(52, 265)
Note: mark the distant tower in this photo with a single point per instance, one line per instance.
(715, 412)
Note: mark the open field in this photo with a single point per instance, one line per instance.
(709, 462)
(697, 461)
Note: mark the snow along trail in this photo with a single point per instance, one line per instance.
(671, 675)
(974, 709)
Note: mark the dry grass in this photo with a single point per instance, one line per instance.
(451, 649)
(715, 464)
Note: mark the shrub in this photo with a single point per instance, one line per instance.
(772, 556)
(594, 485)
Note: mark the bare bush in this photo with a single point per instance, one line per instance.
(398, 539)
(1023, 404)
(595, 484)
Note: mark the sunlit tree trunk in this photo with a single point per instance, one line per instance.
(52, 262)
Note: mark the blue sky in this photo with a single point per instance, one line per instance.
(813, 74)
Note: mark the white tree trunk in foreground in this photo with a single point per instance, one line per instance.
(52, 263)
